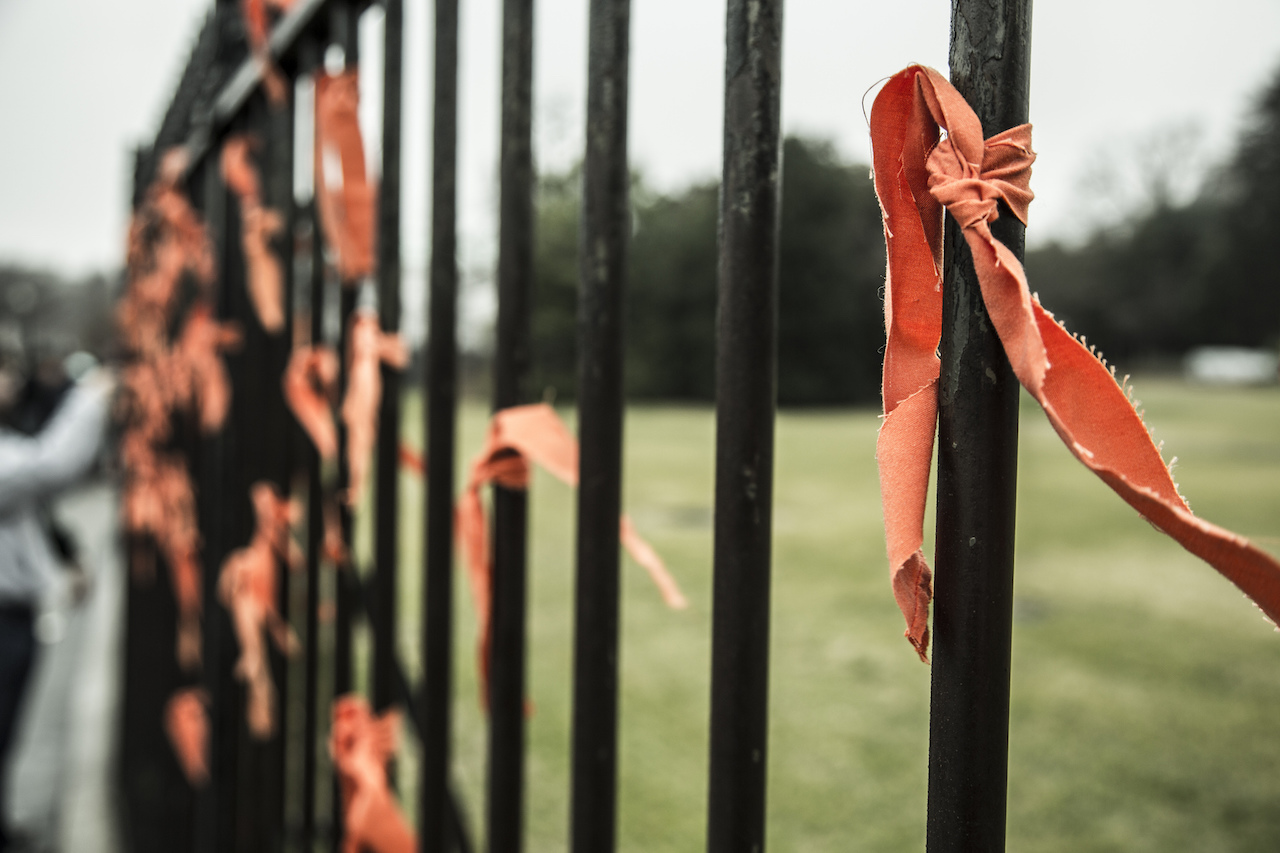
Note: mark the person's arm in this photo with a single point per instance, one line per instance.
(31, 468)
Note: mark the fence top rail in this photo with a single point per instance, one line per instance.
(231, 98)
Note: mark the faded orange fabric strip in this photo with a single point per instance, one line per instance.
(309, 383)
(343, 192)
(259, 225)
(918, 174)
(413, 460)
(361, 746)
(368, 349)
(168, 241)
(517, 436)
(257, 29)
(247, 588)
(186, 722)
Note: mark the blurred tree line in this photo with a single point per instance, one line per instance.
(44, 315)
(830, 327)
(1170, 277)
(1176, 276)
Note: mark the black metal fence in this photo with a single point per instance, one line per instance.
(280, 792)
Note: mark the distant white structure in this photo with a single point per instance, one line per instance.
(1232, 366)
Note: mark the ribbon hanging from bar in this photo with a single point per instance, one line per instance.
(259, 225)
(362, 745)
(918, 173)
(343, 192)
(516, 437)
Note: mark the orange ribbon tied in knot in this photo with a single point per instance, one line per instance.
(362, 745)
(918, 173)
(971, 192)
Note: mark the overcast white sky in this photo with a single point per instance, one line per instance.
(81, 81)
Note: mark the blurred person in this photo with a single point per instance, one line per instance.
(34, 468)
(35, 404)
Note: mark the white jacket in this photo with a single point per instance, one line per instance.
(35, 468)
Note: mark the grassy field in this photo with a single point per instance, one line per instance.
(1145, 687)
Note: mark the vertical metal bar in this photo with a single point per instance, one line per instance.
(308, 62)
(746, 395)
(257, 418)
(511, 369)
(441, 396)
(214, 812)
(229, 732)
(222, 523)
(280, 456)
(344, 607)
(386, 558)
(315, 533)
(977, 468)
(602, 264)
(346, 32)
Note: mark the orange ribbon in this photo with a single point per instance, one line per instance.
(413, 460)
(259, 225)
(516, 436)
(916, 176)
(361, 746)
(166, 241)
(199, 375)
(310, 381)
(257, 29)
(158, 500)
(247, 587)
(187, 723)
(343, 193)
(368, 347)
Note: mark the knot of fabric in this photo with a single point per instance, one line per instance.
(916, 175)
(972, 192)
(360, 742)
(361, 745)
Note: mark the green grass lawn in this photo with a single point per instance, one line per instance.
(1146, 689)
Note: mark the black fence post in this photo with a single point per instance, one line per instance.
(312, 309)
(602, 262)
(315, 536)
(216, 807)
(277, 435)
(387, 498)
(746, 396)
(345, 34)
(977, 475)
(510, 378)
(440, 395)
